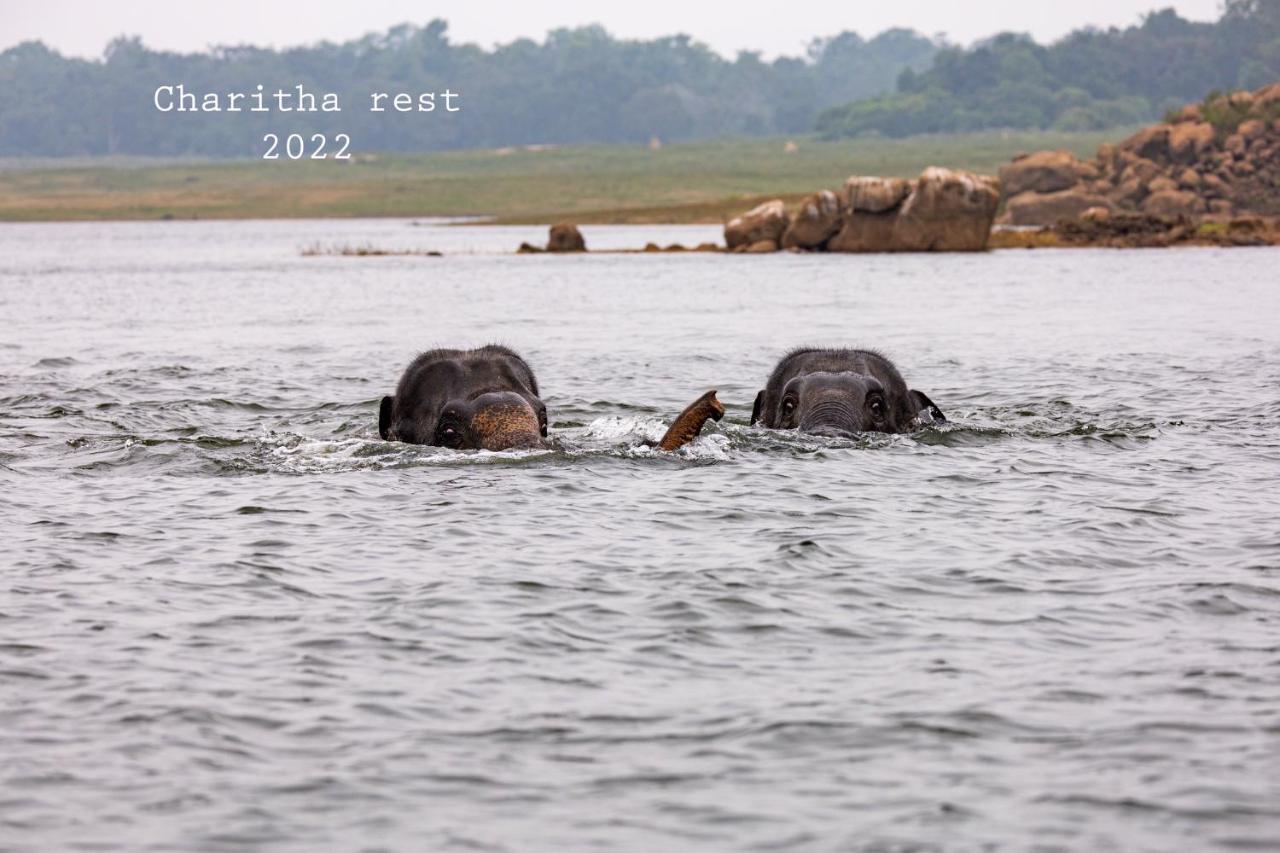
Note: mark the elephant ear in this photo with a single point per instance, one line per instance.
(923, 404)
(757, 408)
(384, 417)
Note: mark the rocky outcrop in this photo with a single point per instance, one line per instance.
(816, 220)
(1216, 159)
(1032, 208)
(947, 211)
(1045, 172)
(764, 223)
(941, 211)
(565, 237)
(1142, 231)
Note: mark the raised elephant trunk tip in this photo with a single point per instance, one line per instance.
(688, 424)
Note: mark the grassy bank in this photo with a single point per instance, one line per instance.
(697, 182)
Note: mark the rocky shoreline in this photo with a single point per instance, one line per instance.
(1214, 160)
(1209, 175)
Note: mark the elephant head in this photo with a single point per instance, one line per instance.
(480, 399)
(839, 392)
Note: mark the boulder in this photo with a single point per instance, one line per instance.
(1151, 143)
(1189, 180)
(1191, 112)
(1241, 100)
(862, 231)
(941, 211)
(1162, 184)
(874, 195)
(1109, 159)
(1172, 203)
(1212, 185)
(1252, 129)
(1236, 145)
(1187, 141)
(1266, 96)
(767, 221)
(816, 220)
(1051, 208)
(1129, 193)
(761, 246)
(565, 237)
(1142, 170)
(1045, 172)
(1096, 214)
(947, 211)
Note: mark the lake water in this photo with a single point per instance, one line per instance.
(232, 618)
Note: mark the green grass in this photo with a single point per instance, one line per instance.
(679, 183)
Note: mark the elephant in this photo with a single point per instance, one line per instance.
(488, 399)
(839, 392)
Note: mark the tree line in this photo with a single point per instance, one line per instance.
(1092, 79)
(578, 85)
(582, 85)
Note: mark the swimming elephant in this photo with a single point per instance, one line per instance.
(839, 392)
(487, 399)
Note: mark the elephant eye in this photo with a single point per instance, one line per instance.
(449, 437)
(788, 406)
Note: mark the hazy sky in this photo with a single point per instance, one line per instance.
(83, 27)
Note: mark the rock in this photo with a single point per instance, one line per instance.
(1095, 214)
(1172, 203)
(1130, 192)
(1141, 169)
(761, 246)
(1048, 208)
(1189, 180)
(1191, 112)
(1240, 100)
(1235, 145)
(943, 211)
(875, 195)
(652, 247)
(1220, 207)
(816, 220)
(947, 211)
(1243, 169)
(1189, 140)
(1252, 129)
(764, 222)
(1212, 185)
(1151, 143)
(528, 249)
(862, 231)
(1266, 96)
(1109, 159)
(565, 237)
(1162, 184)
(1045, 172)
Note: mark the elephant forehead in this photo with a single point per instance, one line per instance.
(840, 380)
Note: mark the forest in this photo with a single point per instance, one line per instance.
(1090, 80)
(584, 85)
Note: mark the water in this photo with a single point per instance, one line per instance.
(232, 618)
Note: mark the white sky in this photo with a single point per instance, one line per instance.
(83, 27)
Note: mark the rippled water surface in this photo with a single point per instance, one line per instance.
(233, 618)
